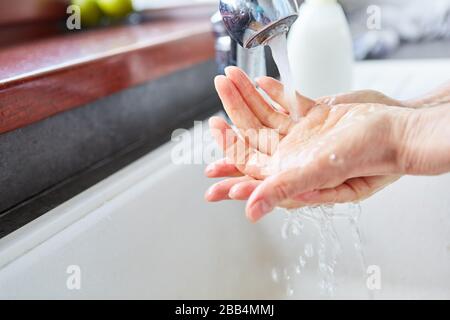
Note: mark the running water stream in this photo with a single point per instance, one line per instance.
(278, 45)
(328, 248)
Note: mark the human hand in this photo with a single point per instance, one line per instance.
(275, 90)
(297, 144)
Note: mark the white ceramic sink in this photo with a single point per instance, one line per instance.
(146, 232)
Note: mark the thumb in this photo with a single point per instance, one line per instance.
(281, 187)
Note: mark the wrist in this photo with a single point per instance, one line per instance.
(439, 97)
(423, 141)
(406, 127)
(389, 128)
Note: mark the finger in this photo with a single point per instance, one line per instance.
(275, 90)
(220, 190)
(244, 119)
(246, 159)
(340, 194)
(234, 105)
(222, 168)
(363, 96)
(243, 190)
(222, 132)
(334, 100)
(260, 107)
(285, 186)
(355, 189)
(346, 98)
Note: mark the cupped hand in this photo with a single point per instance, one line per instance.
(335, 153)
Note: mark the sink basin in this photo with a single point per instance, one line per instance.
(147, 233)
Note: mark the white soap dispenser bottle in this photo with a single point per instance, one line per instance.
(320, 49)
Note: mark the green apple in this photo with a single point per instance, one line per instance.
(116, 8)
(90, 12)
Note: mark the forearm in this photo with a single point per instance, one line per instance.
(438, 97)
(424, 141)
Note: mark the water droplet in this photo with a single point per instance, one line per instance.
(285, 230)
(295, 230)
(286, 274)
(275, 275)
(292, 227)
(333, 157)
(289, 291)
(302, 261)
(321, 253)
(335, 160)
(309, 250)
(297, 227)
(354, 210)
(298, 270)
(328, 209)
(330, 269)
(327, 288)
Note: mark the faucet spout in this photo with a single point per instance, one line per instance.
(252, 23)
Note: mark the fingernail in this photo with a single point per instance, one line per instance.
(227, 69)
(210, 194)
(212, 121)
(259, 209)
(210, 168)
(217, 78)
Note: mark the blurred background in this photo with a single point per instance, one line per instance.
(409, 28)
(77, 106)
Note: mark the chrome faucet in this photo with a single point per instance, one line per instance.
(254, 22)
(251, 24)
